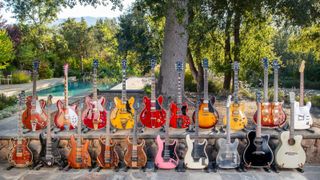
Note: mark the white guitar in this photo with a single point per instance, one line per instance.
(289, 153)
(302, 116)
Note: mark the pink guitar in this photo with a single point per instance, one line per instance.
(94, 115)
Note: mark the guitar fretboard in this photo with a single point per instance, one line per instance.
(124, 92)
(275, 84)
(66, 93)
(205, 83)
(153, 90)
(228, 125)
(179, 98)
(79, 128)
(301, 100)
(48, 142)
(236, 86)
(265, 85)
(34, 87)
(291, 127)
(258, 130)
(95, 89)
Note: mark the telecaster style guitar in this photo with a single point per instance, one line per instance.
(258, 152)
(153, 115)
(302, 116)
(95, 116)
(66, 116)
(179, 117)
(122, 114)
(228, 156)
(208, 115)
(20, 155)
(289, 153)
(34, 117)
(238, 119)
(196, 155)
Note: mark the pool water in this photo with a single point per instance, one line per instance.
(75, 88)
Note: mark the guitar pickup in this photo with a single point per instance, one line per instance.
(206, 109)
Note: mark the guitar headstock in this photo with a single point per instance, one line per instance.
(229, 101)
(153, 63)
(258, 96)
(292, 97)
(66, 68)
(124, 64)
(236, 66)
(265, 63)
(179, 66)
(21, 98)
(302, 66)
(36, 64)
(275, 64)
(205, 63)
(95, 63)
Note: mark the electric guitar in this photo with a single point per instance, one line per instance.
(34, 117)
(266, 111)
(122, 114)
(278, 115)
(79, 156)
(196, 155)
(153, 115)
(108, 157)
(258, 152)
(95, 116)
(166, 157)
(179, 117)
(302, 116)
(208, 115)
(238, 119)
(289, 153)
(134, 155)
(228, 156)
(20, 155)
(66, 116)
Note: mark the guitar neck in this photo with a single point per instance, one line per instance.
(167, 129)
(20, 122)
(48, 142)
(95, 89)
(66, 93)
(79, 128)
(258, 130)
(135, 134)
(265, 85)
(236, 87)
(301, 100)
(124, 92)
(205, 88)
(34, 87)
(108, 129)
(228, 125)
(153, 88)
(179, 98)
(275, 84)
(291, 130)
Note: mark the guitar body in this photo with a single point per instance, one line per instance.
(60, 119)
(122, 114)
(170, 163)
(228, 156)
(22, 159)
(39, 114)
(56, 156)
(190, 160)
(290, 156)
(238, 119)
(112, 160)
(257, 154)
(91, 119)
(278, 115)
(208, 115)
(272, 115)
(302, 116)
(179, 121)
(141, 155)
(155, 118)
(84, 160)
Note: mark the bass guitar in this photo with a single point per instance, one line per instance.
(179, 117)
(238, 119)
(79, 156)
(289, 153)
(20, 155)
(108, 157)
(228, 156)
(95, 116)
(66, 116)
(153, 115)
(258, 152)
(166, 157)
(134, 155)
(302, 116)
(34, 117)
(208, 115)
(122, 114)
(196, 155)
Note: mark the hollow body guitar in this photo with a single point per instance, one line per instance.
(94, 116)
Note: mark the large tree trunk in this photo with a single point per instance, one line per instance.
(236, 34)
(227, 53)
(174, 47)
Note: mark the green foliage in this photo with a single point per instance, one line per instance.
(7, 101)
(45, 72)
(6, 50)
(19, 77)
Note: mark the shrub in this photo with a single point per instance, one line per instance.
(19, 77)
(44, 71)
(7, 101)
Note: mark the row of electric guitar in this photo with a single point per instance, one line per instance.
(289, 153)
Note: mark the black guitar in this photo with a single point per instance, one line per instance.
(258, 152)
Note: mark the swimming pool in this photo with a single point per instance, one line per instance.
(75, 88)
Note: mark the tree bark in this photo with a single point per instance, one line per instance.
(236, 34)
(227, 53)
(174, 47)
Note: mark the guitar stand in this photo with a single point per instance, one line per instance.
(266, 169)
(274, 168)
(9, 168)
(214, 130)
(113, 130)
(25, 132)
(150, 167)
(162, 129)
(300, 170)
(97, 169)
(310, 130)
(181, 167)
(90, 168)
(85, 130)
(241, 167)
(38, 166)
(212, 167)
(221, 130)
(190, 129)
(67, 168)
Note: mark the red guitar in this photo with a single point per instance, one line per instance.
(179, 117)
(34, 115)
(94, 115)
(153, 115)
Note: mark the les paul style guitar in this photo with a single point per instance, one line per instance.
(122, 114)
(196, 156)
(66, 116)
(95, 116)
(238, 119)
(289, 153)
(79, 156)
(258, 152)
(228, 156)
(302, 116)
(34, 117)
(20, 155)
(153, 115)
(179, 117)
(208, 115)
